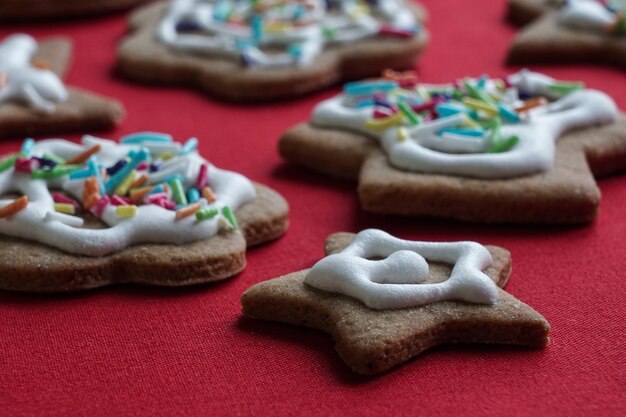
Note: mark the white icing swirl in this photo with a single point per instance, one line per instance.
(39, 88)
(588, 14)
(314, 28)
(152, 224)
(424, 151)
(397, 280)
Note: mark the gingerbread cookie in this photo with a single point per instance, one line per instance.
(522, 12)
(27, 10)
(416, 296)
(524, 148)
(578, 32)
(244, 50)
(146, 210)
(33, 98)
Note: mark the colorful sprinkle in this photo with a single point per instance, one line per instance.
(206, 213)
(13, 208)
(207, 193)
(141, 137)
(187, 211)
(82, 157)
(126, 211)
(91, 192)
(178, 192)
(230, 216)
(65, 208)
(203, 176)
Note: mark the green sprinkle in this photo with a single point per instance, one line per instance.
(477, 93)
(503, 145)
(53, 157)
(56, 172)
(179, 192)
(206, 213)
(328, 33)
(408, 112)
(566, 88)
(8, 162)
(230, 216)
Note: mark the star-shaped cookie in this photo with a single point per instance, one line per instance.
(143, 58)
(79, 111)
(547, 39)
(373, 341)
(28, 10)
(566, 193)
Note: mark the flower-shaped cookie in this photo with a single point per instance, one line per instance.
(146, 210)
(243, 50)
(34, 100)
(577, 31)
(382, 312)
(520, 149)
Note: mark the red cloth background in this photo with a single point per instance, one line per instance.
(137, 351)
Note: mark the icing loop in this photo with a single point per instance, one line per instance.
(147, 189)
(272, 33)
(594, 15)
(487, 128)
(397, 280)
(37, 87)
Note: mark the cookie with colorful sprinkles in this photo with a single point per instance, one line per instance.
(43, 10)
(146, 210)
(259, 50)
(385, 300)
(33, 98)
(577, 31)
(522, 148)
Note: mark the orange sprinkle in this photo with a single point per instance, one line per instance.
(207, 193)
(390, 74)
(138, 194)
(187, 211)
(91, 192)
(531, 104)
(40, 63)
(80, 158)
(3, 79)
(14, 207)
(139, 181)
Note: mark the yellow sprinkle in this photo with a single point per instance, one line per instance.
(469, 122)
(423, 93)
(167, 155)
(402, 134)
(65, 208)
(122, 189)
(381, 124)
(480, 105)
(276, 27)
(126, 211)
(499, 85)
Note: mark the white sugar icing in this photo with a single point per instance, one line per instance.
(152, 224)
(426, 152)
(587, 14)
(24, 83)
(220, 38)
(397, 280)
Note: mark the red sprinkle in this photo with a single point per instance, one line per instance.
(26, 165)
(100, 205)
(60, 198)
(142, 166)
(116, 200)
(203, 176)
(391, 31)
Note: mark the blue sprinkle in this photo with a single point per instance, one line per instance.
(256, 24)
(508, 113)
(474, 133)
(294, 50)
(448, 109)
(80, 174)
(369, 87)
(156, 165)
(27, 147)
(94, 168)
(140, 137)
(158, 189)
(135, 159)
(193, 195)
(116, 167)
(189, 146)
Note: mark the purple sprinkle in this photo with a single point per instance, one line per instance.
(155, 165)
(45, 163)
(187, 26)
(116, 167)
(247, 59)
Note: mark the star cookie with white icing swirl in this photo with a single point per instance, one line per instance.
(385, 300)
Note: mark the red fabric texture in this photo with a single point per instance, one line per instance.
(139, 351)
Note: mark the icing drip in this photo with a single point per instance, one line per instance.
(146, 220)
(37, 87)
(594, 15)
(446, 130)
(397, 281)
(295, 31)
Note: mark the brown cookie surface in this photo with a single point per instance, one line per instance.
(34, 267)
(82, 111)
(143, 58)
(25, 10)
(567, 193)
(522, 12)
(373, 341)
(545, 40)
